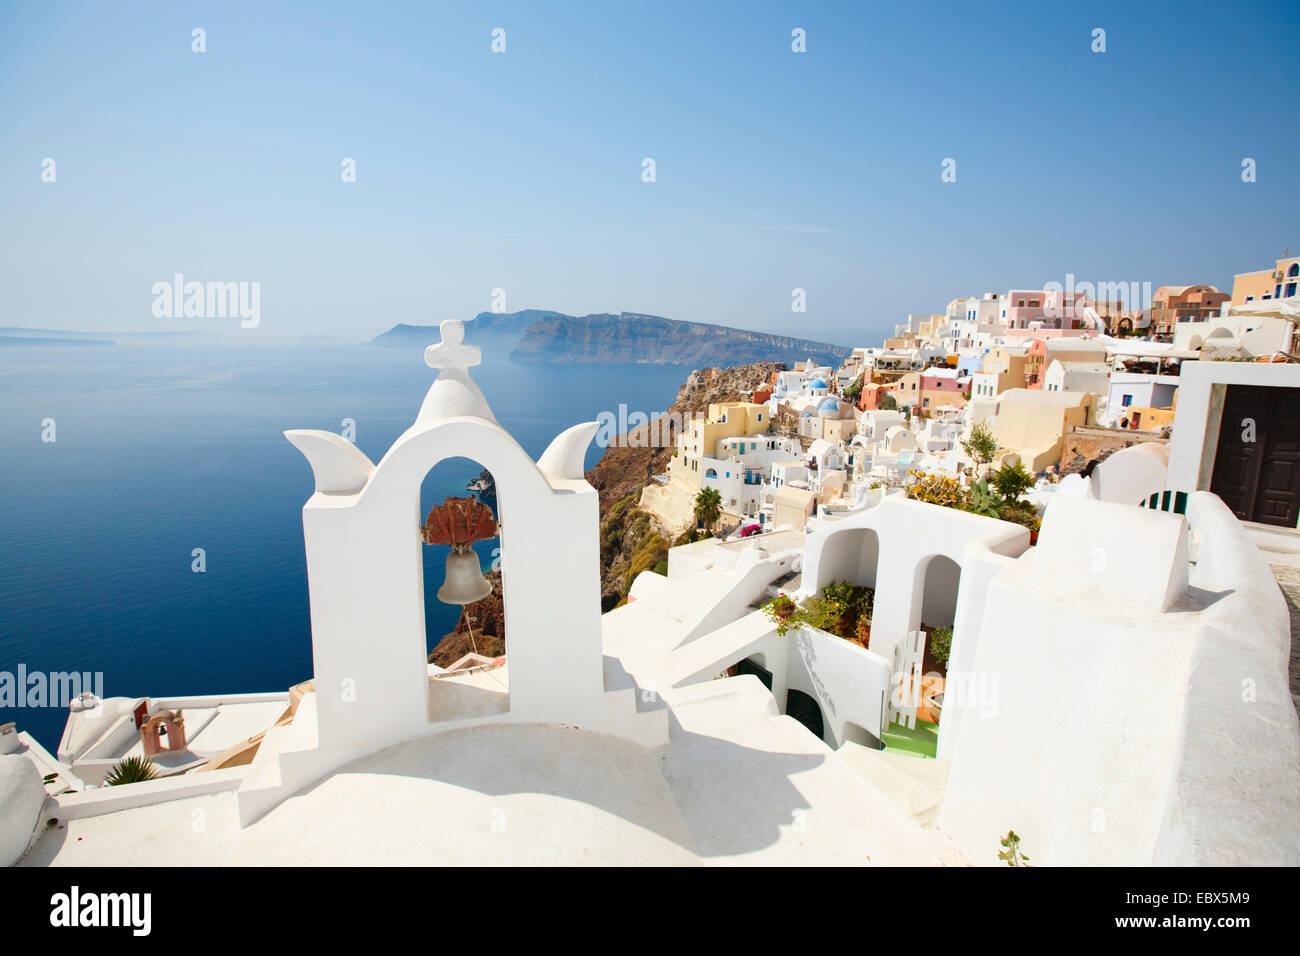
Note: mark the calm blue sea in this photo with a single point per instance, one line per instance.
(161, 450)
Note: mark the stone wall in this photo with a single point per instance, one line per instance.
(1082, 445)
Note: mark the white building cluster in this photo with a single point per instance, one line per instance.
(1030, 366)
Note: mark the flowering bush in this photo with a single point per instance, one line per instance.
(750, 529)
(841, 609)
(781, 610)
(936, 489)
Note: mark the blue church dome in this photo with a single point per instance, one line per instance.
(816, 383)
(829, 405)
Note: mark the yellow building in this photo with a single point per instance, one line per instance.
(1280, 282)
(1004, 368)
(909, 390)
(1031, 423)
(725, 420)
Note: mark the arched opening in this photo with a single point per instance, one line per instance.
(465, 642)
(452, 478)
(711, 473)
(754, 667)
(852, 555)
(939, 586)
(1293, 271)
(803, 708)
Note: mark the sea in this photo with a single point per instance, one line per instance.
(150, 505)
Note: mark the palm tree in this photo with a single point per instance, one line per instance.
(131, 770)
(708, 506)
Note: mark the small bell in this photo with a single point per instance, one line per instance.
(464, 582)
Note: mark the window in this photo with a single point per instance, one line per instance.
(1293, 271)
(1290, 290)
(1128, 400)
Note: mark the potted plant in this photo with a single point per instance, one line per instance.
(781, 610)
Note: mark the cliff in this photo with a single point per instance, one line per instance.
(630, 542)
(629, 337)
(535, 335)
(502, 331)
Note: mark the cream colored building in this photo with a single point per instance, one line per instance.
(705, 452)
(792, 507)
(1031, 423)
(1280, 282)
(1004, 368)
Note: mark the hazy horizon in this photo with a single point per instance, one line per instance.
(522, 170)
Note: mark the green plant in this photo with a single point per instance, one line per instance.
(1012, 481)
(981, 445)
(847, 601)
(888, 403)
(863, 631)
(1011, 854)
(842, 609)
(131, 770)
(941, 644)
(936, 489)
(981, 500)
(854, 388)
(1021, 513)
(781, 609)
(708, 506)
(649, 552)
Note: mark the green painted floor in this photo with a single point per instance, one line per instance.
(921, 742)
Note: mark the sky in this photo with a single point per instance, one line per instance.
(523, 170)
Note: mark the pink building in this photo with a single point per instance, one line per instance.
(1030, 308)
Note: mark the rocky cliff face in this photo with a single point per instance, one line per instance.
(630, 541)
(501, 330)
(537, 335)
(630, 337)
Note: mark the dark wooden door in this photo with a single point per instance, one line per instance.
(1257, 462)
(1278, 499)
(803, 708)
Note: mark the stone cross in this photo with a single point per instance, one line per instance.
(452, 354)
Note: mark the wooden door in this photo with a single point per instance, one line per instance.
(1257, 462)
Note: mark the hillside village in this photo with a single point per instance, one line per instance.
(1048, 381)
(1003, 587)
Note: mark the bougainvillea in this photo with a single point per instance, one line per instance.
(458, 523)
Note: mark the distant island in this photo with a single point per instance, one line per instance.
(17, 335)
(535, 335)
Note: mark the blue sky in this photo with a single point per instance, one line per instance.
(522, 170)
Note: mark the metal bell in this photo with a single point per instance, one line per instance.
(464, 582)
